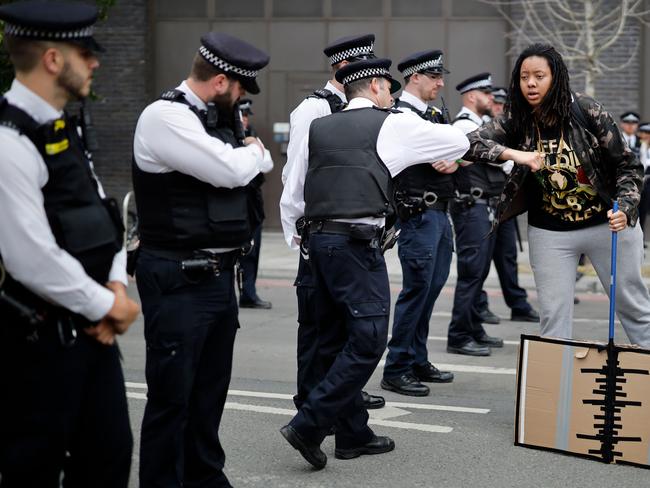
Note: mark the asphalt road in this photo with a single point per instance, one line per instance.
(437, 443)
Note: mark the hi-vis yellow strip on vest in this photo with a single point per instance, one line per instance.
(56, 147)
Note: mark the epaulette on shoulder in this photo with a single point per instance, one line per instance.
(172, 95)
(463, 116)
(321, 93)
(390, 110)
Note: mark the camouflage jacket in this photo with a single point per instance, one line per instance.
(612, 168)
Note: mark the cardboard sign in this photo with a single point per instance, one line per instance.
(585, 399)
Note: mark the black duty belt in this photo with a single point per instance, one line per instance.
(199, 258)
(356, 231)
(471, 199)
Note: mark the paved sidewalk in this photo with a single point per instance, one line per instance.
(277, 261)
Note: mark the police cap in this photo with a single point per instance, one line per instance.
(367, 68)
(237, 58)
(631, 117)
(500, 94)
(482, 81)
(422, 62)
(644, 127)
(51, 21)
(351, 48)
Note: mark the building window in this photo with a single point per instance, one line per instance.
(473, 8)
(189, 8)
(357, 8)
(417, 8)
(297, 8)
(239, 8)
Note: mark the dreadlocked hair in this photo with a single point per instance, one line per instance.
(555, 108)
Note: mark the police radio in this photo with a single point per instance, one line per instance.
(240, 132)
(88, 132)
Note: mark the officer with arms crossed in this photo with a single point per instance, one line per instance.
(425, 243)
(341, 183)
(191, 168)
(62, 270)
(479, 187)
(325, 101)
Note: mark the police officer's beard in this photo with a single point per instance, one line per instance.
(73, 83)
(226, 108)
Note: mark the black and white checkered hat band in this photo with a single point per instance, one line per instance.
(351, 53)
(430, 64)
(487, 83)
(366, 73)
(21, 31)
(630, 118)
(224, 65)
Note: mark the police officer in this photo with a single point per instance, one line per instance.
(344, 171)
(479, 187)
(629, 126)
(249, 264)
(505, 250)
(324, 101)
(425, 242)
(191, 167)
(62, 267)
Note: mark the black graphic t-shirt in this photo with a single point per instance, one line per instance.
(560, 196)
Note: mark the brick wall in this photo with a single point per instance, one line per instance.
(121, 85)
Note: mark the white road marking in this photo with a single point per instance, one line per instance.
(462, 368)
(284, 396)
(444, 408)
(388, 412)
(575, 320)
(441, 339)
(439, 429)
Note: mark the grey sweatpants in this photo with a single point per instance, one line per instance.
(554, 259)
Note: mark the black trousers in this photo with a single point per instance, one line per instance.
(307, 341)
(59, 399)
(190, 327)
(352, 301)
(505, 262)
(474, 247)
(249, 265)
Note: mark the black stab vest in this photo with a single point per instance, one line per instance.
(177, 212)
(84, 224)
(490, 179)
(346, 177)
(414, 181)
(333, 100)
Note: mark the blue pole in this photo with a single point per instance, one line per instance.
(612, 281)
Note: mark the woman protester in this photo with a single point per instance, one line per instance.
(581, 166)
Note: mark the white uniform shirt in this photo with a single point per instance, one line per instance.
(404, 140)
(300, 120)
(412, 100)
(630, 139)
(170, 137)
(644, 156)
(28, 247)
(470, 124)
